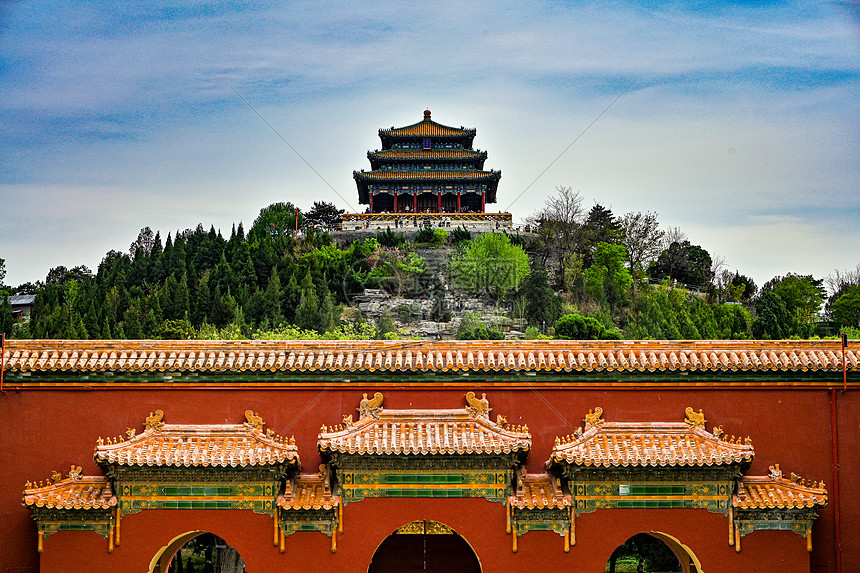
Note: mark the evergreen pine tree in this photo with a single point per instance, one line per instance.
(308, 311)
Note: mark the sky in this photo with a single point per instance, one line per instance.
(735, 121)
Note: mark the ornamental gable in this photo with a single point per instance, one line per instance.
(652, 444)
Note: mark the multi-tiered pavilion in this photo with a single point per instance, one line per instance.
(427, 174)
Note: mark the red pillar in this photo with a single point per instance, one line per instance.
(395, 202)
(415, 202)
(371, 202)
(458, 201)
(483, 199)
(438, 202)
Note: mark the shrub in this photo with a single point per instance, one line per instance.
(460, 234)
(578, 327)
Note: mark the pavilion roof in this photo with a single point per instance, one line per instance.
(173, 356)
(650, 444)
(774, 491)
(74, 492)
(309, 491)
(426, 175)
(407, 432)
(426, 128)
(199, 445)
(538, 491)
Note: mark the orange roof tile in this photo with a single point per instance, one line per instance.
(193, 445)
(649, 445)
(538, 491)
(387, 174)
(774, 491)
(309, 491)
(466, 431)
(478, 355)
(427, 128)
(74, 492)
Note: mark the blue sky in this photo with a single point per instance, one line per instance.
(739, 124)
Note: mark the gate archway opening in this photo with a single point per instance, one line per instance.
(653, 552)
(425, 547)
(197, 552)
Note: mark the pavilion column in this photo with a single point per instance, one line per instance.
(415, 202)
(371, 201)
(458, 201)
(438, 201)
(395, 201)
(483, 201)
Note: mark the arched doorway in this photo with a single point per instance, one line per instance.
(424, 546)
(197, 552)
(651, 553)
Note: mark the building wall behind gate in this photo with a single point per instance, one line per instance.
(46, 430)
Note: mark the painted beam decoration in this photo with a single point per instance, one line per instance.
(425, 453)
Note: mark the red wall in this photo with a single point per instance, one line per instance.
(51, 430)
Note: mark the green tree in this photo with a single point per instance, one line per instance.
(688, 264)
(542, 305)
(6, 319)
(746, 284)
(642, 237)
(278, 219)
(490, 264)
(308, 311)
(323, 215)
(773, 320)
(385, 325)
(845, 310)
(608, 279)
(802, 294)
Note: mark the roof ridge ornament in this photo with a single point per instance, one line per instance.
(693, 419)
(253, 420)
(477, 407)
(370, 407)
(775, 472)
(154, 421)
(593, 419)
(75, 473)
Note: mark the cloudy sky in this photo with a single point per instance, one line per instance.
(737, 121)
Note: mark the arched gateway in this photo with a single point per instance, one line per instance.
(197, 551)
(653, 551)
(426, 547)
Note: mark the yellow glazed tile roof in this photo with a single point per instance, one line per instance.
(426, 128)
(538, 491)
(774, 491)
(74, 492)
(196, 445)
(308, 491)
(399, 356)
(466, 431)
(387, 174)
(650, 444)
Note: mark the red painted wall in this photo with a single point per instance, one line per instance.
(51, 430)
